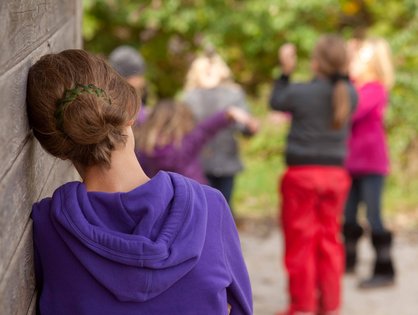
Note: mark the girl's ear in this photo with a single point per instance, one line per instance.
(131, 122)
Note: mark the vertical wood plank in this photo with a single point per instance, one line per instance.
(26, 24)
(29, 29)
(14, 125)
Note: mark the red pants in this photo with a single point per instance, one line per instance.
(313, 198)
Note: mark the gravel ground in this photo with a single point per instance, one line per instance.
(262, 247)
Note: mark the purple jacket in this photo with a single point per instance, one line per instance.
(185, 158)
(169, 246)
(368, 152)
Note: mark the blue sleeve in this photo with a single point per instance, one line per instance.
(280, 96)
(239, 293)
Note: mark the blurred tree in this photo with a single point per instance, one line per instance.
(247, 34)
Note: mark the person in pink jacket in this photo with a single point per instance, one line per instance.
(368, 159)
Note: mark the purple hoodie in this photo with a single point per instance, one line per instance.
(169, 246)
(184, 158)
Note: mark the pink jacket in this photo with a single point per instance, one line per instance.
(367, 148)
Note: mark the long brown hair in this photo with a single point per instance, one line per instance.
(78, 106)
(168, 122)
(331, 56)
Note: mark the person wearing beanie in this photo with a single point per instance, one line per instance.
(130, 64)
(127, 61)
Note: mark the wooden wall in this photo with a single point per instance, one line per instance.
(28, 30)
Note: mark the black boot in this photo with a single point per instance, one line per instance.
(352, 233)
(384, 273)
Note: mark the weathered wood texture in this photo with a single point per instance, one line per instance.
(29, 29)
(18, 284)
(25, 24)
(32, 306)
(14, 127)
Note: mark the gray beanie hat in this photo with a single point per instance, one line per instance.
(127, 61)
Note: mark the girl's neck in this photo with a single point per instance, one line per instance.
(124, 174)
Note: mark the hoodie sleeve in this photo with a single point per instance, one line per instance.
(239, 291)
(204, 131)
(279, 99)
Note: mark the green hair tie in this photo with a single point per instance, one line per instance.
(71, 94)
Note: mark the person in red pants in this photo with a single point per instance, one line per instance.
(313, 199)
(315, 185)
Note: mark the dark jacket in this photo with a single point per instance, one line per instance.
(311, 140)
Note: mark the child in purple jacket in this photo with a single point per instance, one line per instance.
(171, 140)
(368, 158)
(119, 242)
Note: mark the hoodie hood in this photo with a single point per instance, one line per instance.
(135, 244)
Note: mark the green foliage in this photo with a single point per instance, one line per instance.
(256, 187)
(169, 34)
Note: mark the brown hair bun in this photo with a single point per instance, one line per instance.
(88, 126)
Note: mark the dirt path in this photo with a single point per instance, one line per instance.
(262, 247)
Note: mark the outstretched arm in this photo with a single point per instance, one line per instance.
(280, 99)
(205, 130)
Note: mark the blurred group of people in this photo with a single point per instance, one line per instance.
(336, 154)
(194, 136)
(336, 157)
(337, 160)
